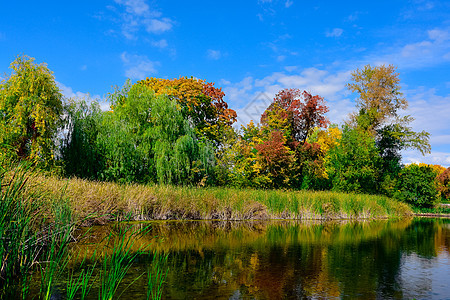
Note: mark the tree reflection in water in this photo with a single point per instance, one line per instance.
(286, 259)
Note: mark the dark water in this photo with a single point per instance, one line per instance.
(292, 260)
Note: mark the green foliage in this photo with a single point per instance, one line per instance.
(30, 111)
(79, 149)
(180, 157)
(417, 185)
(354, 164)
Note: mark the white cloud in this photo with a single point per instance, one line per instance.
(160, 44)
(158, 26)
(137, 66)
(250, 97)
(281, 58)
(290, 68)
(288, 3)
(138, 15)
(214, 54)
(434, 158)
(433, 50)
(69, 93)
(336, 32)
(431, 113)
(137, 7)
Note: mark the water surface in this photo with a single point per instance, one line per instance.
(294, 260)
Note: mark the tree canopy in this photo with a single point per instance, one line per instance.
(30, 111)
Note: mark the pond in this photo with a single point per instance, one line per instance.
(401, 259)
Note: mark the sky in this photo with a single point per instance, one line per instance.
(251, 49)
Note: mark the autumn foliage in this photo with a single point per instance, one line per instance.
(200, 101)
(301, 110)
(179, 131)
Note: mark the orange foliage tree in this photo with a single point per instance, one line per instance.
(200, 101)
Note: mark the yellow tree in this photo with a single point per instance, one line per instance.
(30, 111)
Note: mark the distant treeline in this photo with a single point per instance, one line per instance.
(179, 131)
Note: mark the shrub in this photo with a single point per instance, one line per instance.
(417, 186)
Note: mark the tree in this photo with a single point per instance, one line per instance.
(146, 138)
(354, 163)
(417, 185)
(379, 95)
(302, 111)
(276, 159)
(200, 102)
(379, 101)
(30, 111)
(444, 184)
(80, 153)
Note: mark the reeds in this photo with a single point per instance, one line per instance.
(117, 264)
(156, 275)
(19, 216)
(82, 283)
(114, 202)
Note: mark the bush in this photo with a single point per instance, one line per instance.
(417, 186)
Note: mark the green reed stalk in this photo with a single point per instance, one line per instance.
(18, 217)
(117, 265)
(59, 236)
(74, 284)
(156, 275)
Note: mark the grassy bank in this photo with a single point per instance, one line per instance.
(105, 201)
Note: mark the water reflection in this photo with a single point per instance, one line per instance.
(288, 260)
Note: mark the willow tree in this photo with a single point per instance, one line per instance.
(30, 111)
(180, 157)
(145, 137)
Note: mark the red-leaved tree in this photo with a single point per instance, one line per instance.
(303, 111)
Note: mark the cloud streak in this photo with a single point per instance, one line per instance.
(138, 66)
(336, 32)
(138, 16)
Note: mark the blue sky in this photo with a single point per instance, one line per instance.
(251, 49)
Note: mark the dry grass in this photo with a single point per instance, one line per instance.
(100, 202)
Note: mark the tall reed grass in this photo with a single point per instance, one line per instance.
(19, 245)
(114, 202)
(36, 227)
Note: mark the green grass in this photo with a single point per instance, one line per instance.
(432, 210)
(19, 246)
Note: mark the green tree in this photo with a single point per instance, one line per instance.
(354, 164)
(30, 111)
(146, 138)
(180, 157)
(417, 186)
(80, 153)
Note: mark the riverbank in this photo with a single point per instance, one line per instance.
(441, 210)
(100, 202)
